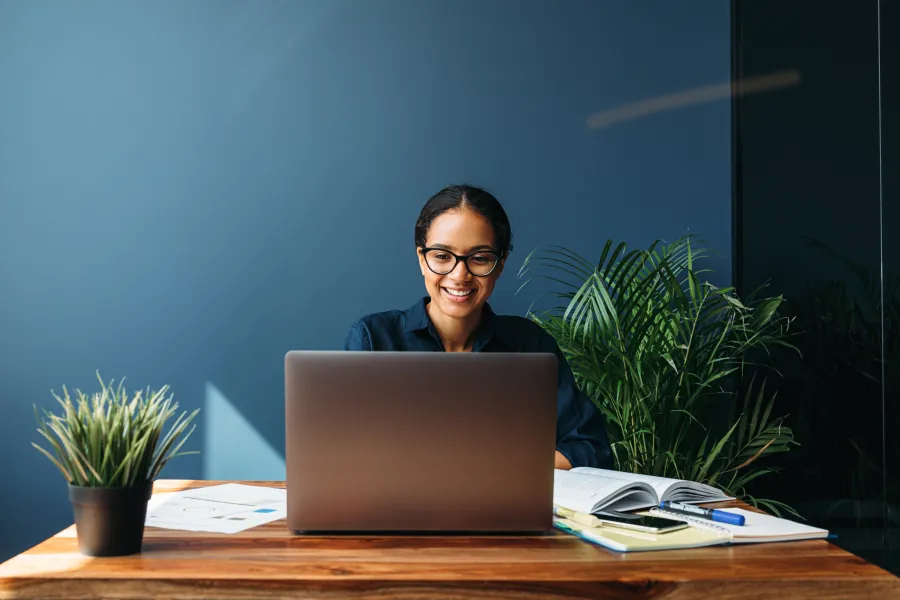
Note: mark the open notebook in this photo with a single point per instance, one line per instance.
(592, 491)
(757, 528)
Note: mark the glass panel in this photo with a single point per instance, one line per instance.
(809, 214)
(890, 143)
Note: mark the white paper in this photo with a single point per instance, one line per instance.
(588, 493)
(757, 527)
(227, 508)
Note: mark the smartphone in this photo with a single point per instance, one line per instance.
(646, 523)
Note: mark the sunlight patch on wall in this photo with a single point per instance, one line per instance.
(233, 449)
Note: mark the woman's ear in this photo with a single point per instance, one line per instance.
(499, 268)
(421, 258)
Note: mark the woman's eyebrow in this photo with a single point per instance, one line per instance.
(472, 249)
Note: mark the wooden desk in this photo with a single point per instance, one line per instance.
(268, 562)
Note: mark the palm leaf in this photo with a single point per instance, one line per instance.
(658, 349)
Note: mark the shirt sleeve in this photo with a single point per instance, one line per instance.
(580, 427)
(358, 337)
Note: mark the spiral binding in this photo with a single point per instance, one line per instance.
(701, 523)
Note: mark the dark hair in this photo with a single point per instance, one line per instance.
(466, 196)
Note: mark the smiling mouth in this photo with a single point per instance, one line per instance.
(458, 293)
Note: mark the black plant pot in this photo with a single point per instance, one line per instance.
(110, 521)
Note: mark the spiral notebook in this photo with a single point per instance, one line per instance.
(758, 528)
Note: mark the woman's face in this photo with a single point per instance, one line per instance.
(459, 294)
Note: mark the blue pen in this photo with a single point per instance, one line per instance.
(704, 513)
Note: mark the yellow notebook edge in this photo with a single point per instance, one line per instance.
(622, 540)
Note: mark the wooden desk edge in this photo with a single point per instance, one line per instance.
(875, 582)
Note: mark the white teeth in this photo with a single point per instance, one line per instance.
(458, 292)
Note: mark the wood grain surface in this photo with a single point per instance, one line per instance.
(270, 562)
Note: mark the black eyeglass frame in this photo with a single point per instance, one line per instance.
(457, 258)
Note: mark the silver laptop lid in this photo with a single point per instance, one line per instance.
(420, 441)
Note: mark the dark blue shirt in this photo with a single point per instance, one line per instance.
(580, 430)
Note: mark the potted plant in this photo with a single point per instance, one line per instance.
(110, 449)
(670, 360)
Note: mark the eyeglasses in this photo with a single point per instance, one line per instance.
(479, 264)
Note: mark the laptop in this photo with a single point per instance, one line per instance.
(419, 441)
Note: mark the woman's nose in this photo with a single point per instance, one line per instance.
(460, 272)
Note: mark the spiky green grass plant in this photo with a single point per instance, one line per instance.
(113, 439)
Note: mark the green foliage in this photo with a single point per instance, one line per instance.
(667, 357)
(111, 439)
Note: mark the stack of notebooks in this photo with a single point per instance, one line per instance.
(581, 493)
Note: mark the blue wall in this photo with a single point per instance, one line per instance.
(190, 189)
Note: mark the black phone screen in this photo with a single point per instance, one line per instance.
(642, 522)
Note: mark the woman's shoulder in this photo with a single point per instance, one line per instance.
(518, 322)
(393, 319)
(376, 331)
(382, 319)
(523, 331)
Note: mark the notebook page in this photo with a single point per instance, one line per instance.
(756, 528)
(688, 492)
(659, 484)
(582, 492)
(760, 526)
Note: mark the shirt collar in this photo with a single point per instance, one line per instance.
(417, 319)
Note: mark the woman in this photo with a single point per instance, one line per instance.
(462, 239)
